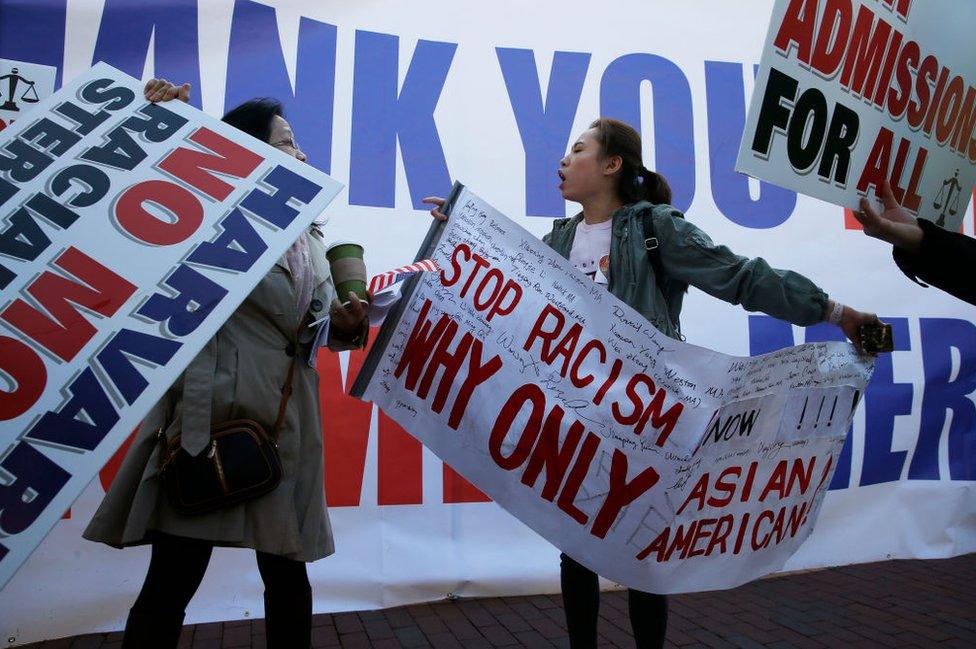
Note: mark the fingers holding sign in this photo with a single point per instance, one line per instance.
(157, 90)
(438, 204)
(895, 224)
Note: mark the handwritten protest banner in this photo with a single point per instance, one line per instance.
(132, 232)
(853, 92)
(661, 465)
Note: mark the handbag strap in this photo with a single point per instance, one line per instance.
(285, 396)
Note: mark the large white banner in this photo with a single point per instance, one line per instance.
(852, 93)
(133, 232)
(664, 466)
(396, 100)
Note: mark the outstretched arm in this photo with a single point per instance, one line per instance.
(688, 254)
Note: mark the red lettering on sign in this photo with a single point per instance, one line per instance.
(228, 158)
(25, 368)
(65, 331)
(184, 213)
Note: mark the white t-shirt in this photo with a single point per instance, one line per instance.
(591, 250)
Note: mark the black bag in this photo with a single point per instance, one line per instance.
(240, 463)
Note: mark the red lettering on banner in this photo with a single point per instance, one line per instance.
(835, 27)
(65, 331)
(721, 486)
(783, 484)
(574, 376)
(875, 171)
(722, 530)
(493, 294)
(420, 346)
(346, 426)
(797, 28)
(622, 492)
(227, 157)
(549, 455)
(698, 492)
(567, 497)
(756, 543)
(865, 53)
(184, 212)
(528, 394)
(547, 332)
(546, 337)
(427, 350)
(25, 369)
(907, 62)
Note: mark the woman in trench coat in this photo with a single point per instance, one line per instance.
(239, 375)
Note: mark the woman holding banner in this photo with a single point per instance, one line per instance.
(631, 240)
(239, 376)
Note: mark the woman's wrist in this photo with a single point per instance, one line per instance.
(833, 312)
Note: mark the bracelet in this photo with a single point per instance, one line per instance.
(836, 313)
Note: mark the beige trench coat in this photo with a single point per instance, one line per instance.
(247, 363)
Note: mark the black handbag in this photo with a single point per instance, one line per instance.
(240, 463)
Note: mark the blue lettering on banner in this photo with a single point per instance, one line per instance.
(116, 359)
(64, 428)
(947, 392)
(674, 134)
(36, 480)
(236, 248)
(381, 117)
(273, 207)
(545, 125)
(259, 71)
(127, 27)
(725, 93)
(196, 296)
(944, 391)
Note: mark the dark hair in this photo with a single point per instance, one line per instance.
(254, 117)
(635, 182)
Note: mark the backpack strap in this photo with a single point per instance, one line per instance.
(652, 247)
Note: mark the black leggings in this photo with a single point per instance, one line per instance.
(175, 571)
(581, 601)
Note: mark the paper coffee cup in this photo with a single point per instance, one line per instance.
(348, 269)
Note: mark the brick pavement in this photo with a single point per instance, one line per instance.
(905, 604)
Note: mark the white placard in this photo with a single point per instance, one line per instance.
(855, 92)
(135, 230)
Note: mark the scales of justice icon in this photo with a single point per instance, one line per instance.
(948, 198)
(28, 96)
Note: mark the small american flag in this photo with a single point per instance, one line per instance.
(389, 278)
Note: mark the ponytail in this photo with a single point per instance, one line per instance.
(635, 182)
(653, 186)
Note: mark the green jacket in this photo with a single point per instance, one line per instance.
(688, 256)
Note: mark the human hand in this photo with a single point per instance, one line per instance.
(157, 90)
(349, 318)
(851, 321)
(895, 224)
(438, 203)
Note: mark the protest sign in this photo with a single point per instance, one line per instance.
(661, 465)
(853, 92)
(134, 231)
(22, 85)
